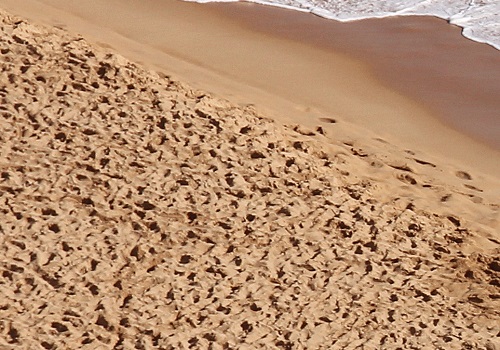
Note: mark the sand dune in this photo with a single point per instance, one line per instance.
(298, 68)
(139, 213)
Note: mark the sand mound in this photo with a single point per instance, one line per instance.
(137, 213)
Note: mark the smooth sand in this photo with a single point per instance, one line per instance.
(298, 80)
(422, 57)
(140, 212)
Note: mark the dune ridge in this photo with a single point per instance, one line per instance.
(140, 213)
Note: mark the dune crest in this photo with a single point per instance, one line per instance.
(140, 213)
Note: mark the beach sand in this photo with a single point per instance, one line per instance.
(294, 77)
(139, 211)
(421, 57)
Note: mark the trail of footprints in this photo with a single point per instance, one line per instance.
(137, 213)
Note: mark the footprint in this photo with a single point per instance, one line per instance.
(423, 162)
(376, 164)
(328, 120)
(303, 131)
(445, 198)
(407, 178)
(463, 175)
(476, 199)
(473, 188)
(60, 26)
(359, 152)
(381, 140)
(454, 220)
(402, 168)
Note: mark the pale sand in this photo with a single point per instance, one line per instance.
(138, 212)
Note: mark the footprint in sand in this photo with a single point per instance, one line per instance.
(463, 175)
(474, 188)
(303, 130)
(402, 168)
(407, 179)
(328, 120)
(423, 162)
(466, 176)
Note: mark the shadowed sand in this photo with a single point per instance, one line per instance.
(138, 212)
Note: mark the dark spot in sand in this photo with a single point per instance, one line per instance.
(185, 259)
(49, 211)
(247, 327)
(54, 228)
(60, 136)
(454, 220)
(475, 299)
(257, 155)
(101, 321)
(192, 216)
(297, 145)
(285, 211)
(254, 307)
(402, 168)
(474, 188)
(245, 130)
(147, 206)
(423, 162)
(463, 175)
(87, 201)
(328, 120)
(494, 266)
(59, 327)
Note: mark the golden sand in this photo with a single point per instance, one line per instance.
(294, 79)
(140, 213)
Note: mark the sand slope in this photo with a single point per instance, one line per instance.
(367, 73)
(139, 213)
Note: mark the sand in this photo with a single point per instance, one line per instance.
(140, 212)
(294, 79)
(421, 57)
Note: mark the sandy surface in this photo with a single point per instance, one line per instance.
(217, 49)
(421, 57)
(138, 212)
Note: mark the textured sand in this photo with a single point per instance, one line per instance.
(228, 49)
(139, 213)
